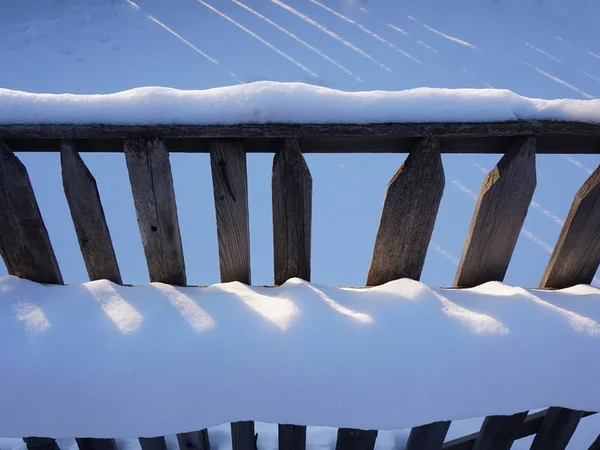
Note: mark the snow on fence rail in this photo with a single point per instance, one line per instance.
(402, 240)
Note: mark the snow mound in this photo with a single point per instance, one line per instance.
(103, 360)
(274, 102)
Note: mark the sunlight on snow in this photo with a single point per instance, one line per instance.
(361, 317)
(193, 314)
(278, 310)
(32, 315)
(577, 321)
(476, 322)
(126, 318)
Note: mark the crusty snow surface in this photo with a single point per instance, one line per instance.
(537, 49)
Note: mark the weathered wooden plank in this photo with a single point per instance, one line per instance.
(499, 432)
(35, 443)
(353, 439)
(292, 214)
(243, 436)
(195, 440)
(530, 426)
(428, 437)
(292, 221)
(574, 260)
(408, 216)
(230, 187)
(154, 198)
(96, 444)
(504, 199)
(407, 220)
(576, 256)
(485, 144)
(88, 217)
(556, 429)
(501, 208)
(153, 443)
(405, 129)
(24, 242)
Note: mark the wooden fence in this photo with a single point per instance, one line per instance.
(401, 245)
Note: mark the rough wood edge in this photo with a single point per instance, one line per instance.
(575, 260)
(408, 216)
(408, 129)
(33, 258)
(156, 209)
(510, 184)
(430, 436)
(556, 429)
(88, 216)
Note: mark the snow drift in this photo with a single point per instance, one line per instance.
(265, 101)
(102, 360)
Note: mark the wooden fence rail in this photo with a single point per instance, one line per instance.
(406, 225)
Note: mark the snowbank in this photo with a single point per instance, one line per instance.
(264, 102)
(107, 361)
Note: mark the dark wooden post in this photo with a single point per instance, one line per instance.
(93, 236)
(230, 184)
(88, 217)
(405, 228)
(574, 260)
(154, 199)
(24, 242)
(499, 215)
(292, 220)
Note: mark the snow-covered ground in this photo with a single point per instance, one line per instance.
(546, 49)
(87, 356)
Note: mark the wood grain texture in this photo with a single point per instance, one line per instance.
(292, 437)
(556, 429)
(24, 242)
(408, 216)
(153, 443)
(154, 198)
(353, 439)
(576, 256)
(230, 187)
(243, 436)
(88, 217)
(96, 444)
(428, 437)
(291, 186)
(400, 129)
(501, 209)
(195, 440)
(35, 443)
(292, 213)
(499, 432)
(486, 144)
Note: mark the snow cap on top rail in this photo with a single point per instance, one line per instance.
(273, 102)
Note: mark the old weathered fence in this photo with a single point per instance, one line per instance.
(407, 221)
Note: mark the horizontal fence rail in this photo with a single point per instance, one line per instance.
(406, 224)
